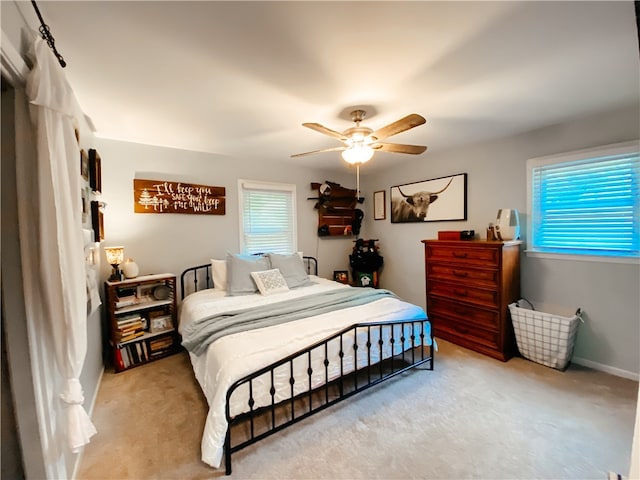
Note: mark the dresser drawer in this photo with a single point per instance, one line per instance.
(489, 319)
(479, 296)
(464, 333)
(463, 255)
(462, 274)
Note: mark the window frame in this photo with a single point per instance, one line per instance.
(244, 185)
(566, 157)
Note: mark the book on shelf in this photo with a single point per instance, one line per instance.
(119, 361)
(131, 336)
(128, 319)
(126, 291)
(160, 343)
(122, 302)
(129, 327)
(128, 331)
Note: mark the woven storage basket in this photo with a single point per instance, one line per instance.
(545, 338)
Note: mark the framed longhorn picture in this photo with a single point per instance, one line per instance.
(437, 200)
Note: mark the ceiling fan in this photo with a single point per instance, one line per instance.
(361, 142)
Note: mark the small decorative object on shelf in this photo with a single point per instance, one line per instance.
(130, 268)
(341, 276)
(142, 316)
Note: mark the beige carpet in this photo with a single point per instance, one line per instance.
(472, 417)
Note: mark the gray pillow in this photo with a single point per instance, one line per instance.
(239, 268)
(292, 269)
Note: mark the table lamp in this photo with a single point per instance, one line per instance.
(115, 255)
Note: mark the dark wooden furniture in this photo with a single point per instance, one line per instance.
(469, 285)
(142, 320)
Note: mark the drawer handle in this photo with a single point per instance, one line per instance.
(460, 255)
(462, 329)
(460, 274)
(461, 293)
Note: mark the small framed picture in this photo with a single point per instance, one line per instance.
(97, 220)
(160, 324)
(379, 205)
(95, 171)
(341, 276)
(86, 206)
(84, 165)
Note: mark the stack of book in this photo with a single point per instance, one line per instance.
(131, 354)
(159, 345)
(129, 328)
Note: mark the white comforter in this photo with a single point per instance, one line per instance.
(235, 356)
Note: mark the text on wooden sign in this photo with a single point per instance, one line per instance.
(162, 196)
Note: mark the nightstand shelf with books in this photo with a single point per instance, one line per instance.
(142, 320)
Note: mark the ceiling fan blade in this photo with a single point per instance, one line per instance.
(334, 149)
(399, 148)
(398, 126)
(326, 131)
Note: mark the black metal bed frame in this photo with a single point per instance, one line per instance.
(260, 422)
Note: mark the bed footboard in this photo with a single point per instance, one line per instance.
(325, 373)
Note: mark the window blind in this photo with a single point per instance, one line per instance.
(268, 219)
(587, 206)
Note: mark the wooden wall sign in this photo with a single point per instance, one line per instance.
(162, 196)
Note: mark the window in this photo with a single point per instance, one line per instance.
(267, 217)
(586, 203)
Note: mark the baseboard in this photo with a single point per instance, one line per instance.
(90, 413)
(618, 372)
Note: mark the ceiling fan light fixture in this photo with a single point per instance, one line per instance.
(357, 153)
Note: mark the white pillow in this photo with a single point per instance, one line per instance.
(219, 274)
(270, 281)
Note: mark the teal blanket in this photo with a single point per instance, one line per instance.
(197, 336)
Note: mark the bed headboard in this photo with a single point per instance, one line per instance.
(199, 277)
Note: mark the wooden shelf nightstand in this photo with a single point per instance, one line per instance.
(142, 319)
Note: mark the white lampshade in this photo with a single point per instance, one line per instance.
(357, 154)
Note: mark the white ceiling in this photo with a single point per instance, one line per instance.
(239, 78)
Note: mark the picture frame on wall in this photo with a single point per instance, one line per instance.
(84, 165)
(379, 205)
(95, 171)
(97, 220)
(436, 200)
(86, 206)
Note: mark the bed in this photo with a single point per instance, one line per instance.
(268, 359)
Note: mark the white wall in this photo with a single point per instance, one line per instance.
(607, 292)
(173, 242)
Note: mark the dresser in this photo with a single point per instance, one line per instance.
(469, 285)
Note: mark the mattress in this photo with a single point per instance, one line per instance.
(232, 357)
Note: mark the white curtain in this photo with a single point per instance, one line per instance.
(52, 247)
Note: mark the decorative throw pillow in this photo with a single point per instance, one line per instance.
(291, 267)
(219, 274)
(270, 281)
(239, 268)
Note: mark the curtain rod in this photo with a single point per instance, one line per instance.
(46, 35)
